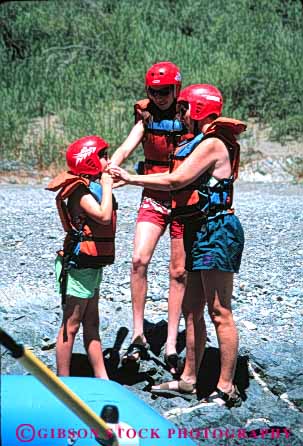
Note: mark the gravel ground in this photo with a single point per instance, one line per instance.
(267, 298)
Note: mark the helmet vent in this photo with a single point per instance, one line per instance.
(199, 107)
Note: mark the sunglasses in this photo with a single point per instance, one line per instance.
(182, 109)
(103, 154)
(161, 93)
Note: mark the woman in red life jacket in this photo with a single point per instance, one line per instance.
(157, 128)
(87, 210)
(204, 170)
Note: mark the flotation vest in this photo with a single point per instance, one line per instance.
(161, 137)
(87, 244)
(208, 196)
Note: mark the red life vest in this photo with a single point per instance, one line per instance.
(90, 245)
(161, 136)
(207, 196)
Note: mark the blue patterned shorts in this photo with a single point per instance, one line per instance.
(214, 244)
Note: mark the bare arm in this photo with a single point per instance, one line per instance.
(128, 146)
(100, 213)
(209, 153)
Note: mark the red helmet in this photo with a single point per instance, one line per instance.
(82, 156)
(164, 73)
(203, 99)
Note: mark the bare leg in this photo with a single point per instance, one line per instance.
(72, 316)
(176, 292)
(146, 238)
(193, 310)
(91, 338)
(218, 288)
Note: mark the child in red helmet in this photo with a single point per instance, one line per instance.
(157, 128)
(87, 210)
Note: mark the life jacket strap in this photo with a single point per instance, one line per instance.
(192, 186)
(211, 199)
(156, 163)
(63, 279)
(78, 236)
(172, 133)
(88, 238)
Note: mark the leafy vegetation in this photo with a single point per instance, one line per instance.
(76, 67)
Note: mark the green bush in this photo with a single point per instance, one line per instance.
(83, 61)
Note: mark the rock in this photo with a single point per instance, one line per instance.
(296, 396)
(249, 325)
(48, 345)
(268, 291)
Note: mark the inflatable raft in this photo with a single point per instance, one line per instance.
(32, 415)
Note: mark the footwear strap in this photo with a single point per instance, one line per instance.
(186, 387)
(141, 349)
(220, 394)
(173, 361)
(230, 399)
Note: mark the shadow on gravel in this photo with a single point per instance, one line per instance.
(155, 368)
(155, 335)
(210, 371)
(80, 365)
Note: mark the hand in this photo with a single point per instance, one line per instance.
(119, 173)
(118, 183)
(106, 179)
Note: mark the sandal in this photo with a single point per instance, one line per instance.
(136, 351)
(176, 388)
(229, 400)
(173, 361)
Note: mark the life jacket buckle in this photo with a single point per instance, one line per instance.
(76, 235)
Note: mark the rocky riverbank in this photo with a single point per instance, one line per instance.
(267, 306)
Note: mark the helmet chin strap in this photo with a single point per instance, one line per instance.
(196, 128)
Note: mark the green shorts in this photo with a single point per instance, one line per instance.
(215, 244)
(81, 282)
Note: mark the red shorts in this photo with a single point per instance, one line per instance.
(158, 213)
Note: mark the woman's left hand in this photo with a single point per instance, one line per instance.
(118, 173)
